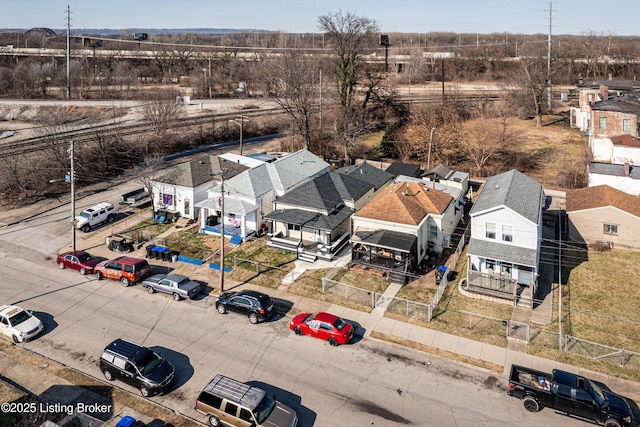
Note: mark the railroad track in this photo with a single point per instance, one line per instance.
(122, 129)
(116, 130)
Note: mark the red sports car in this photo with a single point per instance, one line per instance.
(79, 260)
(325, 326)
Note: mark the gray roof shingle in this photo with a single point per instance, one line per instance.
(502, 252)
(513, 190)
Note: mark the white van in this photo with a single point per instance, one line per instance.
(97, 214)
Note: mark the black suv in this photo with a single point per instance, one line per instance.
(256, 305)
(136, 365)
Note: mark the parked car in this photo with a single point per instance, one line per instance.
(82, 261)
(18, 324)
(569, 393)
(256, 305)
(232, 403)
(95, 215)
(177, 285)
(125, 269)
(325, 326)
(138, 366)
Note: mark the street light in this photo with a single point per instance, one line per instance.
(241, 124)
(221, 174)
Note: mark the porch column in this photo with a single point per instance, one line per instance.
(243, 226)
(203, 218)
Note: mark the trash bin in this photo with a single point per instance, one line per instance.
(126, 421)
(107, 240)
(440, 272)
(158, 251)
(149, 249)
(175, 255)
(166, 254)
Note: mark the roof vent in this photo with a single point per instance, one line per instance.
(497, 186)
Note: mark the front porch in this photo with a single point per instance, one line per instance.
(308, 250)
(229, 231)
(500, 286)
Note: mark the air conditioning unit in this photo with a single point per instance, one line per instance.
(446, 243)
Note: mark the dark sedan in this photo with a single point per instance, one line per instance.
(256, 305)
(82, 261)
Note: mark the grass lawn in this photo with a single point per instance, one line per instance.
(258, 272)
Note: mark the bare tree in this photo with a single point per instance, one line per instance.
(484, 139)
(159, 114)
(350, 36)
(292, 80)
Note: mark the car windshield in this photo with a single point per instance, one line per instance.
(339, 324)
(149, 362)
(183, 281)
(19, 317)
(261, 413)
(85, 258)
(598, 394)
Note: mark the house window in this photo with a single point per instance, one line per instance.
(507, 233)
(610, 229)
(506, 270)
(603, 123)
(167, 199)
(490, 265)
(293, 227)
(626, 125)
(589, 97)
(187, 207)
(433, 232)
(490, 230)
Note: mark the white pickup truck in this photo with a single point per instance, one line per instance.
(94, 215)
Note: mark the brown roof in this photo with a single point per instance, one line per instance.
(601, 196)
(406, 203)
(625, 139)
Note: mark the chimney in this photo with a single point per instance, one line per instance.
(627, 169)
(604, 92)
(610, 77)
(580, 79)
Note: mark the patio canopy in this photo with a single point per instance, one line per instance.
(386, 239)
(309, 219)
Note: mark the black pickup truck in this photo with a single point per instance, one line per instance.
(569, 393)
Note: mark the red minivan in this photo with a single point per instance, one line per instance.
(125, 269)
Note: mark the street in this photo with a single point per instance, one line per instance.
(366, 382)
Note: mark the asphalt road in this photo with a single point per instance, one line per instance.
(367, 382)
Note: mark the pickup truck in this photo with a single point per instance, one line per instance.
(569, 393)
(136, 197)
(177, 285)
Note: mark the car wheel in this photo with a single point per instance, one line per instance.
(15, 339)
(221, 309)
(150, 289)
(108, 375)
(98, 275)
(85, 228)
(214, 421)
(253, 318)
(531, 404)
(61, 265)
(611, 423)
(144, 391)
(125, 282)
(297, 330)
(176, 297)
(83, 271)
(110, 218)
(333, 341)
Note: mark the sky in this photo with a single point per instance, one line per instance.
(619, 17)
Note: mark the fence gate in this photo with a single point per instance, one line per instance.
(518, 330)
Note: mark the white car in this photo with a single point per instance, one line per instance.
(18, 324)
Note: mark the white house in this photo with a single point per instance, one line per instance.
(623, 177)
(249, 196)
(506, 231)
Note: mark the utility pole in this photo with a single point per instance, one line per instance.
(72, 178)
(559, 278)
(320, 124)
(69, 58)
(221, 231)
(549, 99)
(429, 155)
